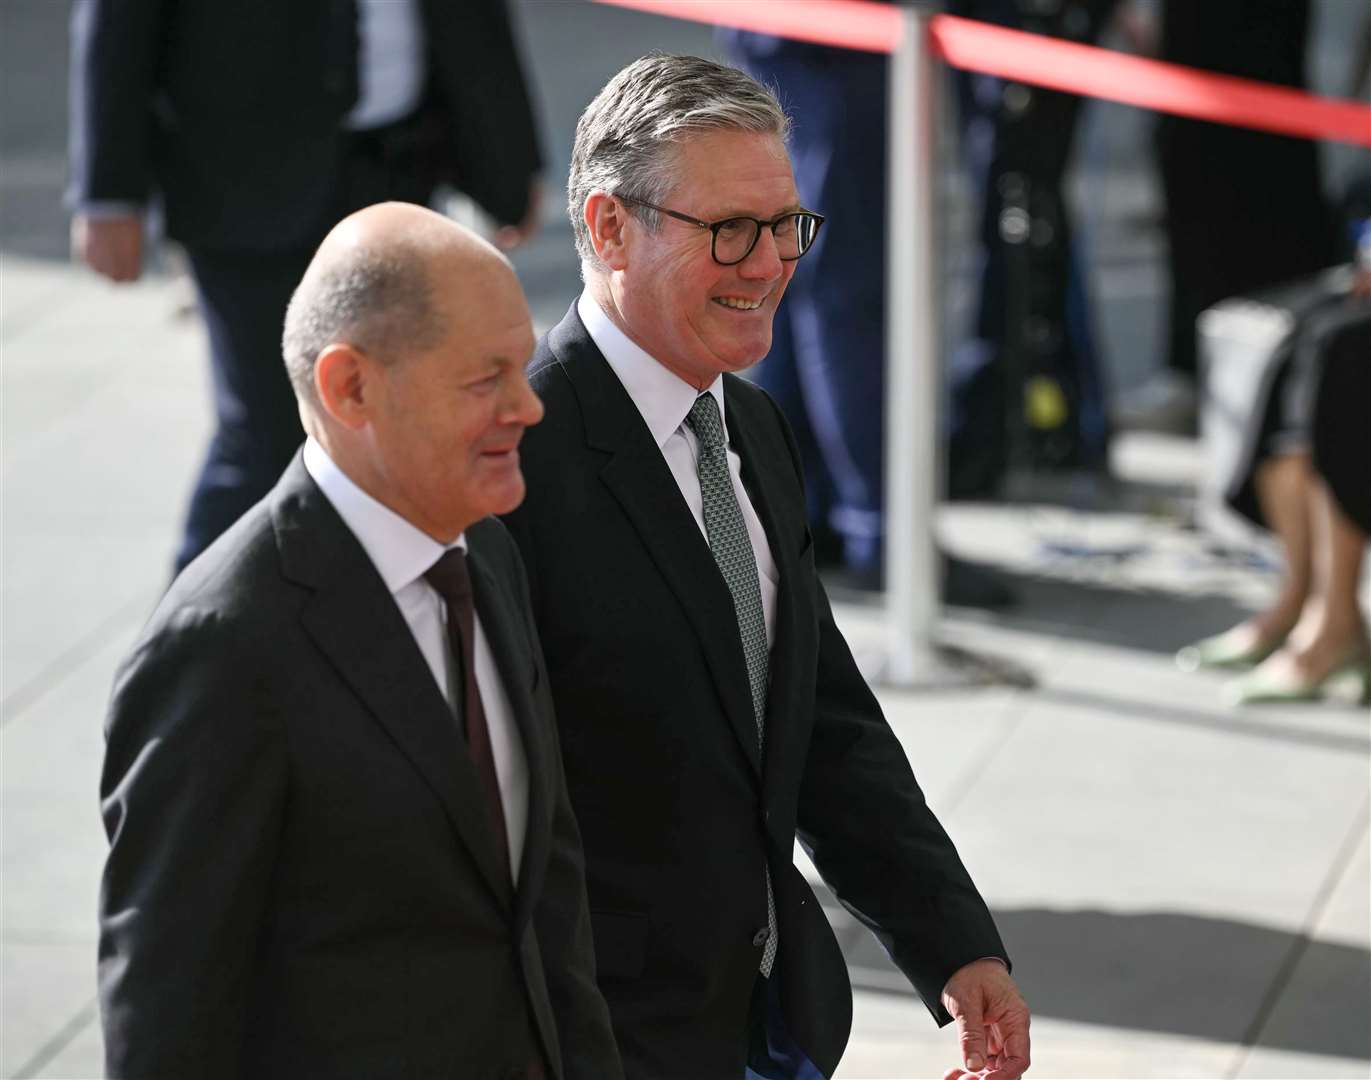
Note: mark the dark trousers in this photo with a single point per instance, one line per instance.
(826, 367)
(243, 297)
(243, 301)
(772, 1053)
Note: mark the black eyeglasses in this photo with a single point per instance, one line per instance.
(734, 238)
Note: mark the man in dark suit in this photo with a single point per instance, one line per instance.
(257, 125)
(340, 841)
(709, 709)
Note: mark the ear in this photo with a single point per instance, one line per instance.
(607, 221)
(343, 380)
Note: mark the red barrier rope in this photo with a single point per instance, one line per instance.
(1042, 61)
(1149, 84)
(849, 24)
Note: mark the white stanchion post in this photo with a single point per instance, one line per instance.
(913, 359)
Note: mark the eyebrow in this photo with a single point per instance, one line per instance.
(792, 208)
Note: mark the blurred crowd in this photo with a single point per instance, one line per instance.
(248, 188)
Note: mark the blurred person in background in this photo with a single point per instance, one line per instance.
(1245, 209)
(710, 710)
(1305, 479)
(253, 128)
(340, 841)
(1031, 346)
(1303, 475)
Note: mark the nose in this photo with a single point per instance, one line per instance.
(763, 262)
(523, 406)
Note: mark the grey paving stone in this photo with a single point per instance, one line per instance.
(53, 840)
(1264, 1063)
(46, 985)
(83, 1058)
(894, 1039)
(1330, 984)
(1087, 808)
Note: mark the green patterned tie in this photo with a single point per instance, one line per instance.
(732, 550)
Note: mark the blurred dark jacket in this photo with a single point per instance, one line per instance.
(232, 111)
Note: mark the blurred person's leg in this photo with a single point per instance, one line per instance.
(1283, 490)
(778, 376)
(836, 299)
(1330, 642)
(1330, 628)
(243, 298)
(1329, 647)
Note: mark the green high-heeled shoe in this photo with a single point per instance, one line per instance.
(1348, 681)
(1231, 649)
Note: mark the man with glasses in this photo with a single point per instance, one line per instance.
(709, 709)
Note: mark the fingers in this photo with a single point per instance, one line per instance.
(971, 1036)
(1009, 1034)
(509, 237)
(112, 247)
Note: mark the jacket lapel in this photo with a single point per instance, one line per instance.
(353, 619)
(638, 477)
(514, 658)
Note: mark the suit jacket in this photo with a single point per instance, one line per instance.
(678, 809)
(231, 111)
(302, 881)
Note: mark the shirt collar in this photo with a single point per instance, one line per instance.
(400, 552)
(662, 397)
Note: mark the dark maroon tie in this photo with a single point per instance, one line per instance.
(450, 578)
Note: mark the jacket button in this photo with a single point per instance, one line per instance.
(759, 938)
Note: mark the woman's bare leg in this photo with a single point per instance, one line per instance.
(1283, 487)
(1330, 629)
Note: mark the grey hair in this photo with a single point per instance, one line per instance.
(380, 303)
(627, 137)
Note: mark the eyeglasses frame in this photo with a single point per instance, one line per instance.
(715, 226)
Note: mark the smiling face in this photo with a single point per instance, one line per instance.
(444, 424)
(698, 318)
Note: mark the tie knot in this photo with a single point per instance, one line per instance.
(703, 419)
(450, 577)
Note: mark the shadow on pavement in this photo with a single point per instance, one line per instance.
(1127, 614)
(1166, 972)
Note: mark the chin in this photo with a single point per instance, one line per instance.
(507, 499)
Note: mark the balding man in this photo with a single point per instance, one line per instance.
(340, 842)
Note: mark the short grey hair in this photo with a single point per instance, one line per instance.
(627, 137)
(381, 303)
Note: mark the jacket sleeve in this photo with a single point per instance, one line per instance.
(872, 836)
(485, 96)
(115, 54)
(192, 795)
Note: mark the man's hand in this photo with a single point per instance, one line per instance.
(509, 237)
(992, 1022)
(109, 246)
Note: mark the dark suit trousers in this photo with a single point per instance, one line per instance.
(826, 367)
(243, 297)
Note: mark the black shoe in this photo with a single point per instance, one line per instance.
(968, 585)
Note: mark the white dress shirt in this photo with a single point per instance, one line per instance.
(664, 399)
(402, 555)
(391, 66)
